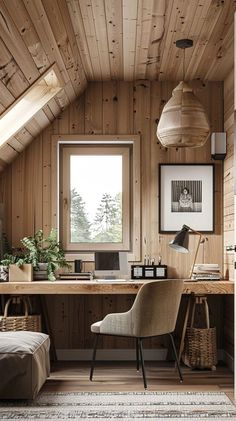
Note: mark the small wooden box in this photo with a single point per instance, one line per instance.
(22, 273)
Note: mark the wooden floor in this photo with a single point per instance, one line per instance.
(161, 376)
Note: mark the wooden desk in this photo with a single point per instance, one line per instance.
(112, 287)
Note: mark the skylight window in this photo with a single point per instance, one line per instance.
(29, 103)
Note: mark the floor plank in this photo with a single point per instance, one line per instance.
(161, 376)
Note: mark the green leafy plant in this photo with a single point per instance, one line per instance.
(45, 250)
(38, 249)
(13, 259)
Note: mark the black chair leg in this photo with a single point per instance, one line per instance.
(142, 362)
(176, 357)
(137, 354)
(94, 356)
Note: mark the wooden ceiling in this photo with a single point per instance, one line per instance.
(100, 40)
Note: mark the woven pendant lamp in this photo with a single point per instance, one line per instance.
(183, 122)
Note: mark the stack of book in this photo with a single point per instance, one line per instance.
(75, 276)
(206, 271)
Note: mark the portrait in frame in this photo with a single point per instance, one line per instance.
(186, 196)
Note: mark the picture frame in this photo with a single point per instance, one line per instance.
(186, 196)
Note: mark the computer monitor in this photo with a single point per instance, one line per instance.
(111, 264)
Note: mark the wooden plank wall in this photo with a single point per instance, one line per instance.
(228, 209)
(111, 108)
(228, 202)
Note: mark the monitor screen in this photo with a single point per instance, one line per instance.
(111, 264)
(107, 260)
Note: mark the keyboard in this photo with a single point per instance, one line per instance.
(110, 281)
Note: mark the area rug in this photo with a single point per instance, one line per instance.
(121, 406)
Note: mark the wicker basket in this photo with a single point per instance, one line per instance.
(200, 350)
(27, 322)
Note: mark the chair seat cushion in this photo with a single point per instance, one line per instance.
(24, 364)
(95, 327)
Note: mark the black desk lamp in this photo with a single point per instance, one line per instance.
(180, 243)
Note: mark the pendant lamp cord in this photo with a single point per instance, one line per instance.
(184, 65)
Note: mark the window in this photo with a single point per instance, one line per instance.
(126, 146)
(29, 103)
(95, 197)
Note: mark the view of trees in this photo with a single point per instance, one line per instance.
(80, 225)
(107, 223)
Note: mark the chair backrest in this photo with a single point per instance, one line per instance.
(155, 309)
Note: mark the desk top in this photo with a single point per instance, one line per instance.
(112, 287)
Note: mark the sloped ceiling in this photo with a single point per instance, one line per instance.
(99, 40)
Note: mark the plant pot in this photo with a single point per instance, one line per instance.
(41, 271)
(22, 273)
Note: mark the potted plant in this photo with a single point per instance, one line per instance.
(16, 267)
(44, 254)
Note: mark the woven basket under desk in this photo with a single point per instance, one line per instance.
(23, 322)
(200, 350)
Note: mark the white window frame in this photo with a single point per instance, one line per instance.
(135, 206)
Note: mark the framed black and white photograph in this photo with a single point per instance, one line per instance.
(186, 196)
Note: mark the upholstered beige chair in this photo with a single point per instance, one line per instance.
(154, 312)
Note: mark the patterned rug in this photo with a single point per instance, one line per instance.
(121, 406)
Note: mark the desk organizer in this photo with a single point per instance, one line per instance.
(148, 271)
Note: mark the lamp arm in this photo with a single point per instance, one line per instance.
(192, 230)
(196, 252)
